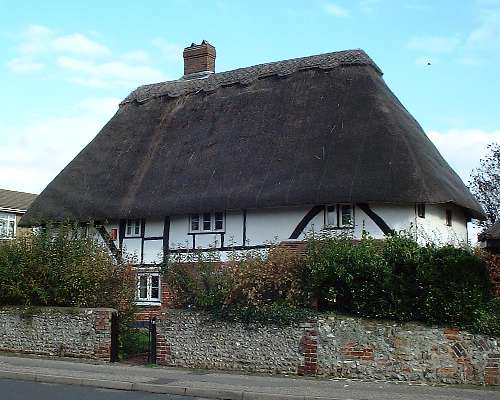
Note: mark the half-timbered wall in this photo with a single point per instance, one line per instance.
(259, 228)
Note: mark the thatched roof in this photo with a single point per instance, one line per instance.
(492, 233)
(15, 201)
(308, 131)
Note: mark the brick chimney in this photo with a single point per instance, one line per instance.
(199, 60)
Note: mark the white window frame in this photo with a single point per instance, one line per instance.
(337, 216)
(133, 224)
(149, 288)
(201, 221)
(8, 218)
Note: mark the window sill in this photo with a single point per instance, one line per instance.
(148, 302)
(205, 232)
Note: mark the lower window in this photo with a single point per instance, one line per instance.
(148, 287)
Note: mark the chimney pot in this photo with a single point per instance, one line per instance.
(199, 60)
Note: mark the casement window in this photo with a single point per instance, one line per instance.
(421, 210)
(148, 287)
(339, 216)
(449, 218)
(207, 222)
(133, 227)
(7, 226)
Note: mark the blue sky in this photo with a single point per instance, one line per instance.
(64, 66)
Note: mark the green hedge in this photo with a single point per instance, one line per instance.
(395, 279)
(401, 280)
(58, 266)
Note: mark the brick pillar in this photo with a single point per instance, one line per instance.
(309, 347)
(492, 369)
(102, 326)
(163, 350)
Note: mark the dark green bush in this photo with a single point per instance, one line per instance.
(399, 279)
(273, 314)
(454, 283)
(486, 318)
(348, 277)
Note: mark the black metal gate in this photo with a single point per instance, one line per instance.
(152, 341)
(143, 347)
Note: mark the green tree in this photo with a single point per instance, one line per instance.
(485, 184)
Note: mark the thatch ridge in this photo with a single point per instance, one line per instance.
(247, 75)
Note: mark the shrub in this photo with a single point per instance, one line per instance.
(486, 318)
(347, 276)
(58, 266)
(403, 256)
(399, 279)
(265, 279)
(454, 283)
(198, 280)
(274, 314)
(263, 287)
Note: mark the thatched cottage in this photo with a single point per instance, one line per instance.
(237, 159)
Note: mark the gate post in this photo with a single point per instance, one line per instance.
(152, 341)
(114, 337)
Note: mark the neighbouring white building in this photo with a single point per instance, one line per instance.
(238, 159)
(13, 205)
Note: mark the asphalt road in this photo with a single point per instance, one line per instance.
(21, 390)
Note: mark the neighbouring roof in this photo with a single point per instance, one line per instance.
(492, 233)
(15, 201)
(313, 130)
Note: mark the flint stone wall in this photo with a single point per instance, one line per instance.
(333, 345)
(57, 331)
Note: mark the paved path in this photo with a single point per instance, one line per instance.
(21, 390)
(209, 384)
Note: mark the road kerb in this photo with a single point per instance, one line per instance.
(157, 388)
(208, 393)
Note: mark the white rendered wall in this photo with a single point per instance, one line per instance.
(433, 227)
(277, 224)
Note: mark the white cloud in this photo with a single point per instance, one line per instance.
(35, 40)
(369, 6)
(136, 56)
(77, 43)
(336, 10)
(39, 150)
(433, 44)
(24, 65)
(169, 50)
(81, 60)
(463, 148)
(39, 39)
(108, 74)
(486, 35)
